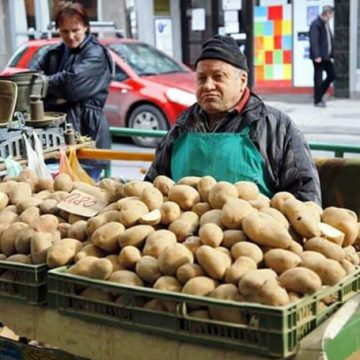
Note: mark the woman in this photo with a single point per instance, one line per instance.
(79, 72)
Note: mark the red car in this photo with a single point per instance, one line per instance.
(149, 90)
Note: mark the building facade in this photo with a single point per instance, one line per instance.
(272, 33)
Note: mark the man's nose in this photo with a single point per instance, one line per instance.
(209, 83)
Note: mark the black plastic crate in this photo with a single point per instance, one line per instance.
(24, 283)
(274, 331)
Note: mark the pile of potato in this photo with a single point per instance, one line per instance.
(197, 236)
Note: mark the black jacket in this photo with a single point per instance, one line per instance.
(319, 40)
(81, 77)
(287, 156)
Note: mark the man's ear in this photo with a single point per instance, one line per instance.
(243, 80)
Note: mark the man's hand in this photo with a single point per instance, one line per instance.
(318, 60)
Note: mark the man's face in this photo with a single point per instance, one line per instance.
(72, 31)
(219, 85)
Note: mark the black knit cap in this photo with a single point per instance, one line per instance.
(223, 48)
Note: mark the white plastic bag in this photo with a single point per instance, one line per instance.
(35, 157)
(13, 168)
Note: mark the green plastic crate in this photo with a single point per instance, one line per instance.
(274, 331)
(23, 283)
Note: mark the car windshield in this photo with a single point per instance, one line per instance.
(145, 60)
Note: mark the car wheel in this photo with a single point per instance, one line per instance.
(147, 117)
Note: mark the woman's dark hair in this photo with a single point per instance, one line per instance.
(68, 9)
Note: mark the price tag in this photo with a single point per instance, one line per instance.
(80, 203)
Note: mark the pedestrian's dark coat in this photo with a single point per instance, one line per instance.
(80, 76)
(319, 40)
(289, 164)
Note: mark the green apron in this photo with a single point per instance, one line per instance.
(228, 157)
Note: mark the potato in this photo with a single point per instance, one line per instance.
(151, 218)
(129, 256)
(352, 255)
(233, 213)
(89, 250)
(95, 191)
(262, 229)
(126, 277)
(220, 193)
(172, 257)
(114, 259)
(308, 257)
(261, 203)
(228, 292)
(300, 280)
(8, 237)
(21, 192)
(270, 293)
(147, 268)
(186, 225)
(329, 270)
(49, 206)
(29, 176)
(164, 184)
(157, 241)
(107, 236)
(332, 234)
(46, 222)
(23, 240)
(204, 185)
(131, 212)
(30, 215)
(30, 202)
(100, 269)
(201, 208)
(348, 266)
(7, 217)
(241, 266)
(325, 247)
(247, 190)
(170, 211)
(78, 231)
(231, 237)
(211, 234)
(20, 258)
(189, 180)
(39, 245)
(254, 279)
(199, 314)
(281, 260)
(114, 188)
(99, 220)
(62, 252)
(63, 182)
(246, 248)
(295, 247)
(44, 184)
(200, 286)
(344, 220)
(167, 283)
(152, 198)
(302, 218)
(136, 187)
(81, 267)
(135, 235)
(277, 215)
(188, 271)
(184, 195)
(212, 261)
(192, 243)
(278, 200)
(212, 216)
(58, 195)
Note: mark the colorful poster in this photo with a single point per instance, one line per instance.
(273, 45)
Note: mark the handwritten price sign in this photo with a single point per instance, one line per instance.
(80, 203)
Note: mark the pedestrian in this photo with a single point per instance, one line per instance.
(232, 135)
(321, 53)
(79, 71)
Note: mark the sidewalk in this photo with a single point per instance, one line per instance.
(339, 122)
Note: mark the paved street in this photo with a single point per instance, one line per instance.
(338, 123)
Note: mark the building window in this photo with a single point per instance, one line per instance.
(162, 7)
(91, 7)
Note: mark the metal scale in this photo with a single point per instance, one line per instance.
(29, 116)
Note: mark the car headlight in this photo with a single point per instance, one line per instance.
(181, 97)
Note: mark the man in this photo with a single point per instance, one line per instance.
(321, 53)
(232, 135)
